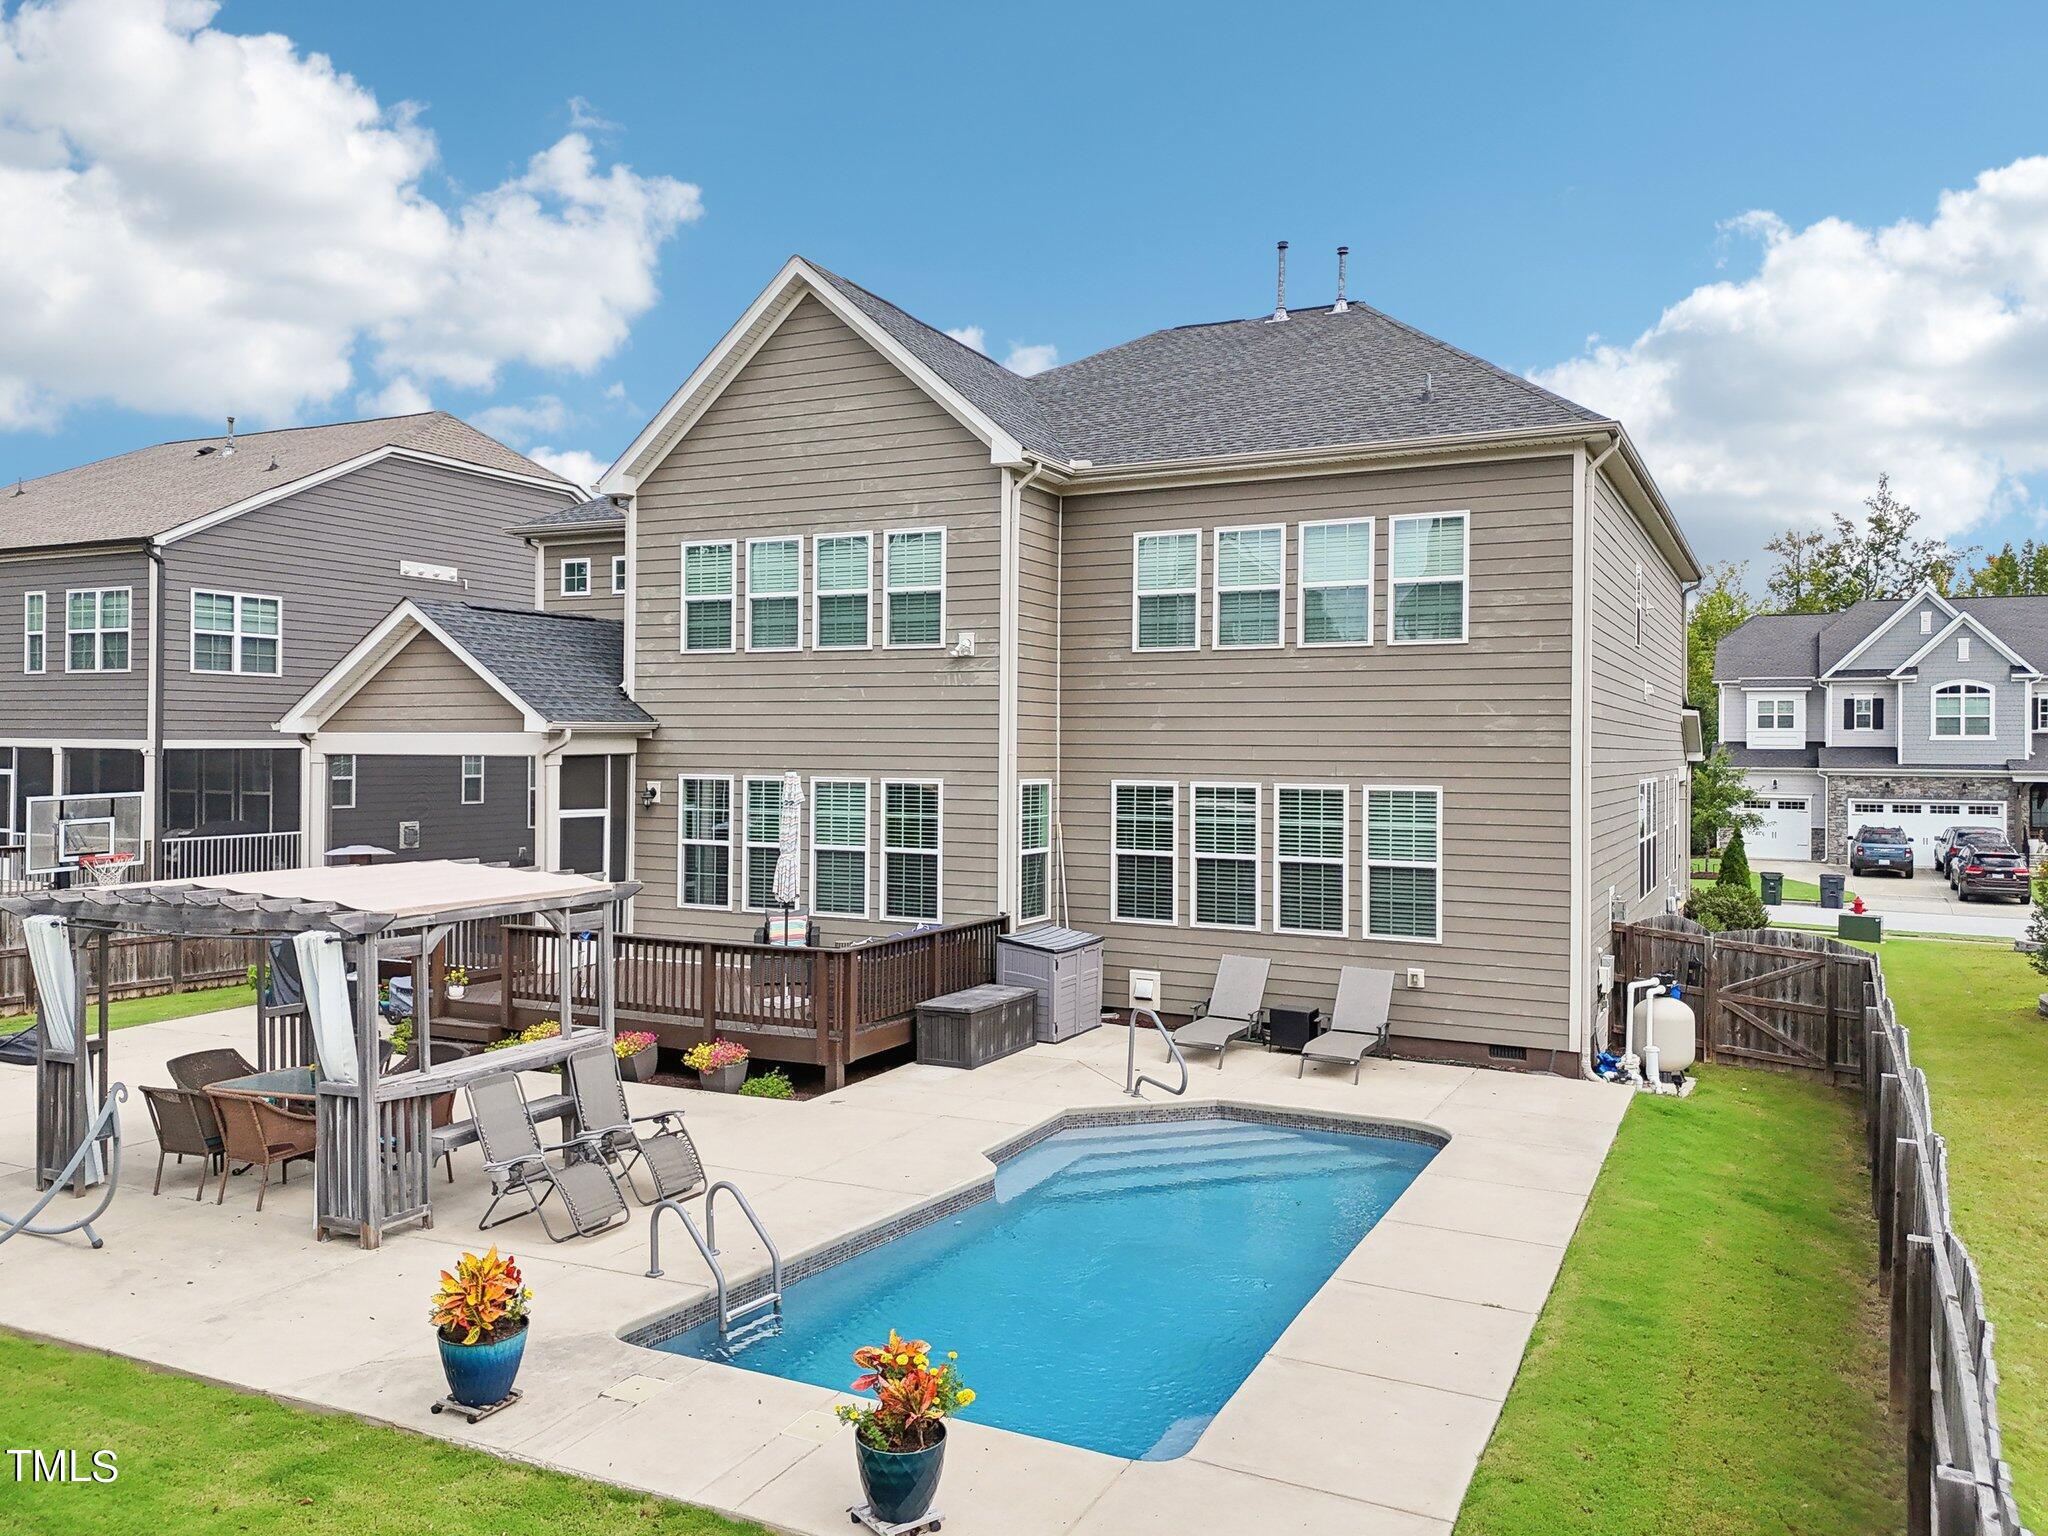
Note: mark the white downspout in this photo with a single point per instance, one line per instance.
(1006, 733)
(1581, 794)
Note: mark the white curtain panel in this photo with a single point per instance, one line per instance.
(49, 956)
(323, 965)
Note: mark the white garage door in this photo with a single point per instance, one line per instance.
(1922, 820)
(1782, 831)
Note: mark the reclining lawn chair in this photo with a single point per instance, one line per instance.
(1236, 1007)
(1358, 1023)
(667, 1153)
(516, 1161)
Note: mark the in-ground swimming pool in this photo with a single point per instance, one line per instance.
(1118, 1287)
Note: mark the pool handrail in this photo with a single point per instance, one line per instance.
(706, 1242)
(1134, 1080)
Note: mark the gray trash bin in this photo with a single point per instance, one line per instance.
(1831, 891)
(1064, 967)
(1773, 882)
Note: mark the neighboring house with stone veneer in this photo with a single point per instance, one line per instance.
(1920, 713)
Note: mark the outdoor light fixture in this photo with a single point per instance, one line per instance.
(650, 797)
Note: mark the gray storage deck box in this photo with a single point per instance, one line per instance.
(978, 1025)
(1064, 967)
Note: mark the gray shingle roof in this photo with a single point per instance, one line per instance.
(152, 490)
(1772, 757)
(568, 668)
(600, 514)
(1771, 645)
(1795, 645)
(1238, 386)
(1839, 758)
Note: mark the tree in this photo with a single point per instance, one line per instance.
(1719, 607)
(2037, 926)
(2011, 572)
(1734, 863)
(1718, 791)
(1878, 557)
(1799, 585)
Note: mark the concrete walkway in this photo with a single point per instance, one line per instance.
(1923, 904)
(1367, 1416)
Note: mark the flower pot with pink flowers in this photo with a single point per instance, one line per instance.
(637, 1053)
(720, 1065)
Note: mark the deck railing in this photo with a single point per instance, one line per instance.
(227, 853)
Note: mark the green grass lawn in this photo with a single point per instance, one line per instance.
(200, 1460)
(1984, 1048)
(1712, 1360)
(1795, 890)
(150, 1010)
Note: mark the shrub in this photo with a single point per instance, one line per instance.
(546, 1029)
(1735, 862)
(2037, 925)
(774, 1084)
(1718, 908)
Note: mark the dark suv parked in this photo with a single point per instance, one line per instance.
(1988, 869)
(1952, 839)
(1881, 848)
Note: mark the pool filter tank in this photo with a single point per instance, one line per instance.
(1665, 1024)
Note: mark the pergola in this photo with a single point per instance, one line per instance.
(372, 1130)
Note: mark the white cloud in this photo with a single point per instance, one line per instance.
(571, 464)
(970, 336)
(400, 397)
(521, 422)
(1030, 358)
(200, 221)
(1920, 348)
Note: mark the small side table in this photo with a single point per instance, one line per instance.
(1289, 1029)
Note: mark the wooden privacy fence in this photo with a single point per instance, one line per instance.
(139, 964)
(826, 1008)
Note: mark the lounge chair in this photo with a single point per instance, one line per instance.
(517, 1162)
(1358, 1023)
(1235, 1007)
(667, 1153)
(257, 1133)
(187, 1126)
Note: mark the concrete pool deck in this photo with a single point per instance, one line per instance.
(1368, 1414)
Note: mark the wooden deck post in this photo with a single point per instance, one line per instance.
(505, 975)
(1918, 1366)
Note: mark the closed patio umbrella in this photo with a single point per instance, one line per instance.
(789, 878)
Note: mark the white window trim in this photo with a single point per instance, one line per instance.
(618, 575)
(730, 597)
(1343, 861)
(936, 854)
(1774, 735)
(98, 602)
(1256, 858)
(336, 777)
(1195, 590)
(1647, 792)
(532, 793)
(1962, 647)
(889, 598)
(1173, 858)
(41, 632)
(1303, 586)
(1365, 828)
(2041, 711)
(1464, 576)
(235, 636)
(1023, 851)
(465, 777)
(562, 581)
(748, 844)
(798, 540)
(732, 815)
(1277, 586)
(866, 848)
(819, 594)
(1964, 687)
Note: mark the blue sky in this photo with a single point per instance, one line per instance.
(1514, 180)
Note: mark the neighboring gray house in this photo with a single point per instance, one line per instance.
(168, 605)
(579, 558)
(1307, 636)
(1919, 713)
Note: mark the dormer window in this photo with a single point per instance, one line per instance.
(1962, 710)
(1863, 712)
(1776, 713)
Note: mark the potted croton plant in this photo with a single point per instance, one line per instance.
(480, 1323)
(720, 1065)
(635, 1048)
(899, 1439)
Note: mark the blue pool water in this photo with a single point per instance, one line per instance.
(1117, 1288)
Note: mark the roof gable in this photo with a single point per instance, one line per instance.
(1858, 636)
(1960, 621)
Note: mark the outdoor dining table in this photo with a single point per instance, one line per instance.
(289, 1085)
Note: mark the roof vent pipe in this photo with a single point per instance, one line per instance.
(229, 446)
(1343, 257)
(1429, 386)
(1280, 287)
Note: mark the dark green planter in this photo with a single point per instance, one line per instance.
(900, 1485)
(1869, 927)
(481, 1374)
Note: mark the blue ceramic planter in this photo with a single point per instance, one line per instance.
(900, 1485)
(481, 1374)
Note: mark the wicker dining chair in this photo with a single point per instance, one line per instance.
(257, 1132)
(202, 1069)
(186, 1126)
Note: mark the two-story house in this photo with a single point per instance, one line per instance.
(170, 605)
(1306, 636)
(1918, 713)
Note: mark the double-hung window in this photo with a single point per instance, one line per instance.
(341, 781)
(2040, 706)
(472, 780)
(1403, 863)
(1166, 591)
(1310, 847)
(575, 578)
(910, 850)
(618, 575)
(707, 596)
(775, 603)
(763, 835)
(704, 872)
(35, 632)
(96, 630)
(839, 847)
(841, 589)
(235, 633)
(1034, 850)
(1962, 709)
(914, 587)
(1251, 564)
(1334, 605)
(1143, 852)
(1427, 572)
(1646, 836)
(1225, 851)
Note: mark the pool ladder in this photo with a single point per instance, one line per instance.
(1134, 1080)
(707, 1245)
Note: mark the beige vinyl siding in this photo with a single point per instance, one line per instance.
(58, 703)
(818, 434)
(425, 677)
(599, 603)
(1487, 720)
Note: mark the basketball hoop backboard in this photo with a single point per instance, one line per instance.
(62, 829)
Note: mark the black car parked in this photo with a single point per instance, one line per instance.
(1960, 839)
(1878, 848)
(1988, 869)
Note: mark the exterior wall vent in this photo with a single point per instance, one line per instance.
(1508, 1052)
(408, 834)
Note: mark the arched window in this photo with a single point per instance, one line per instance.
(1962, 709)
